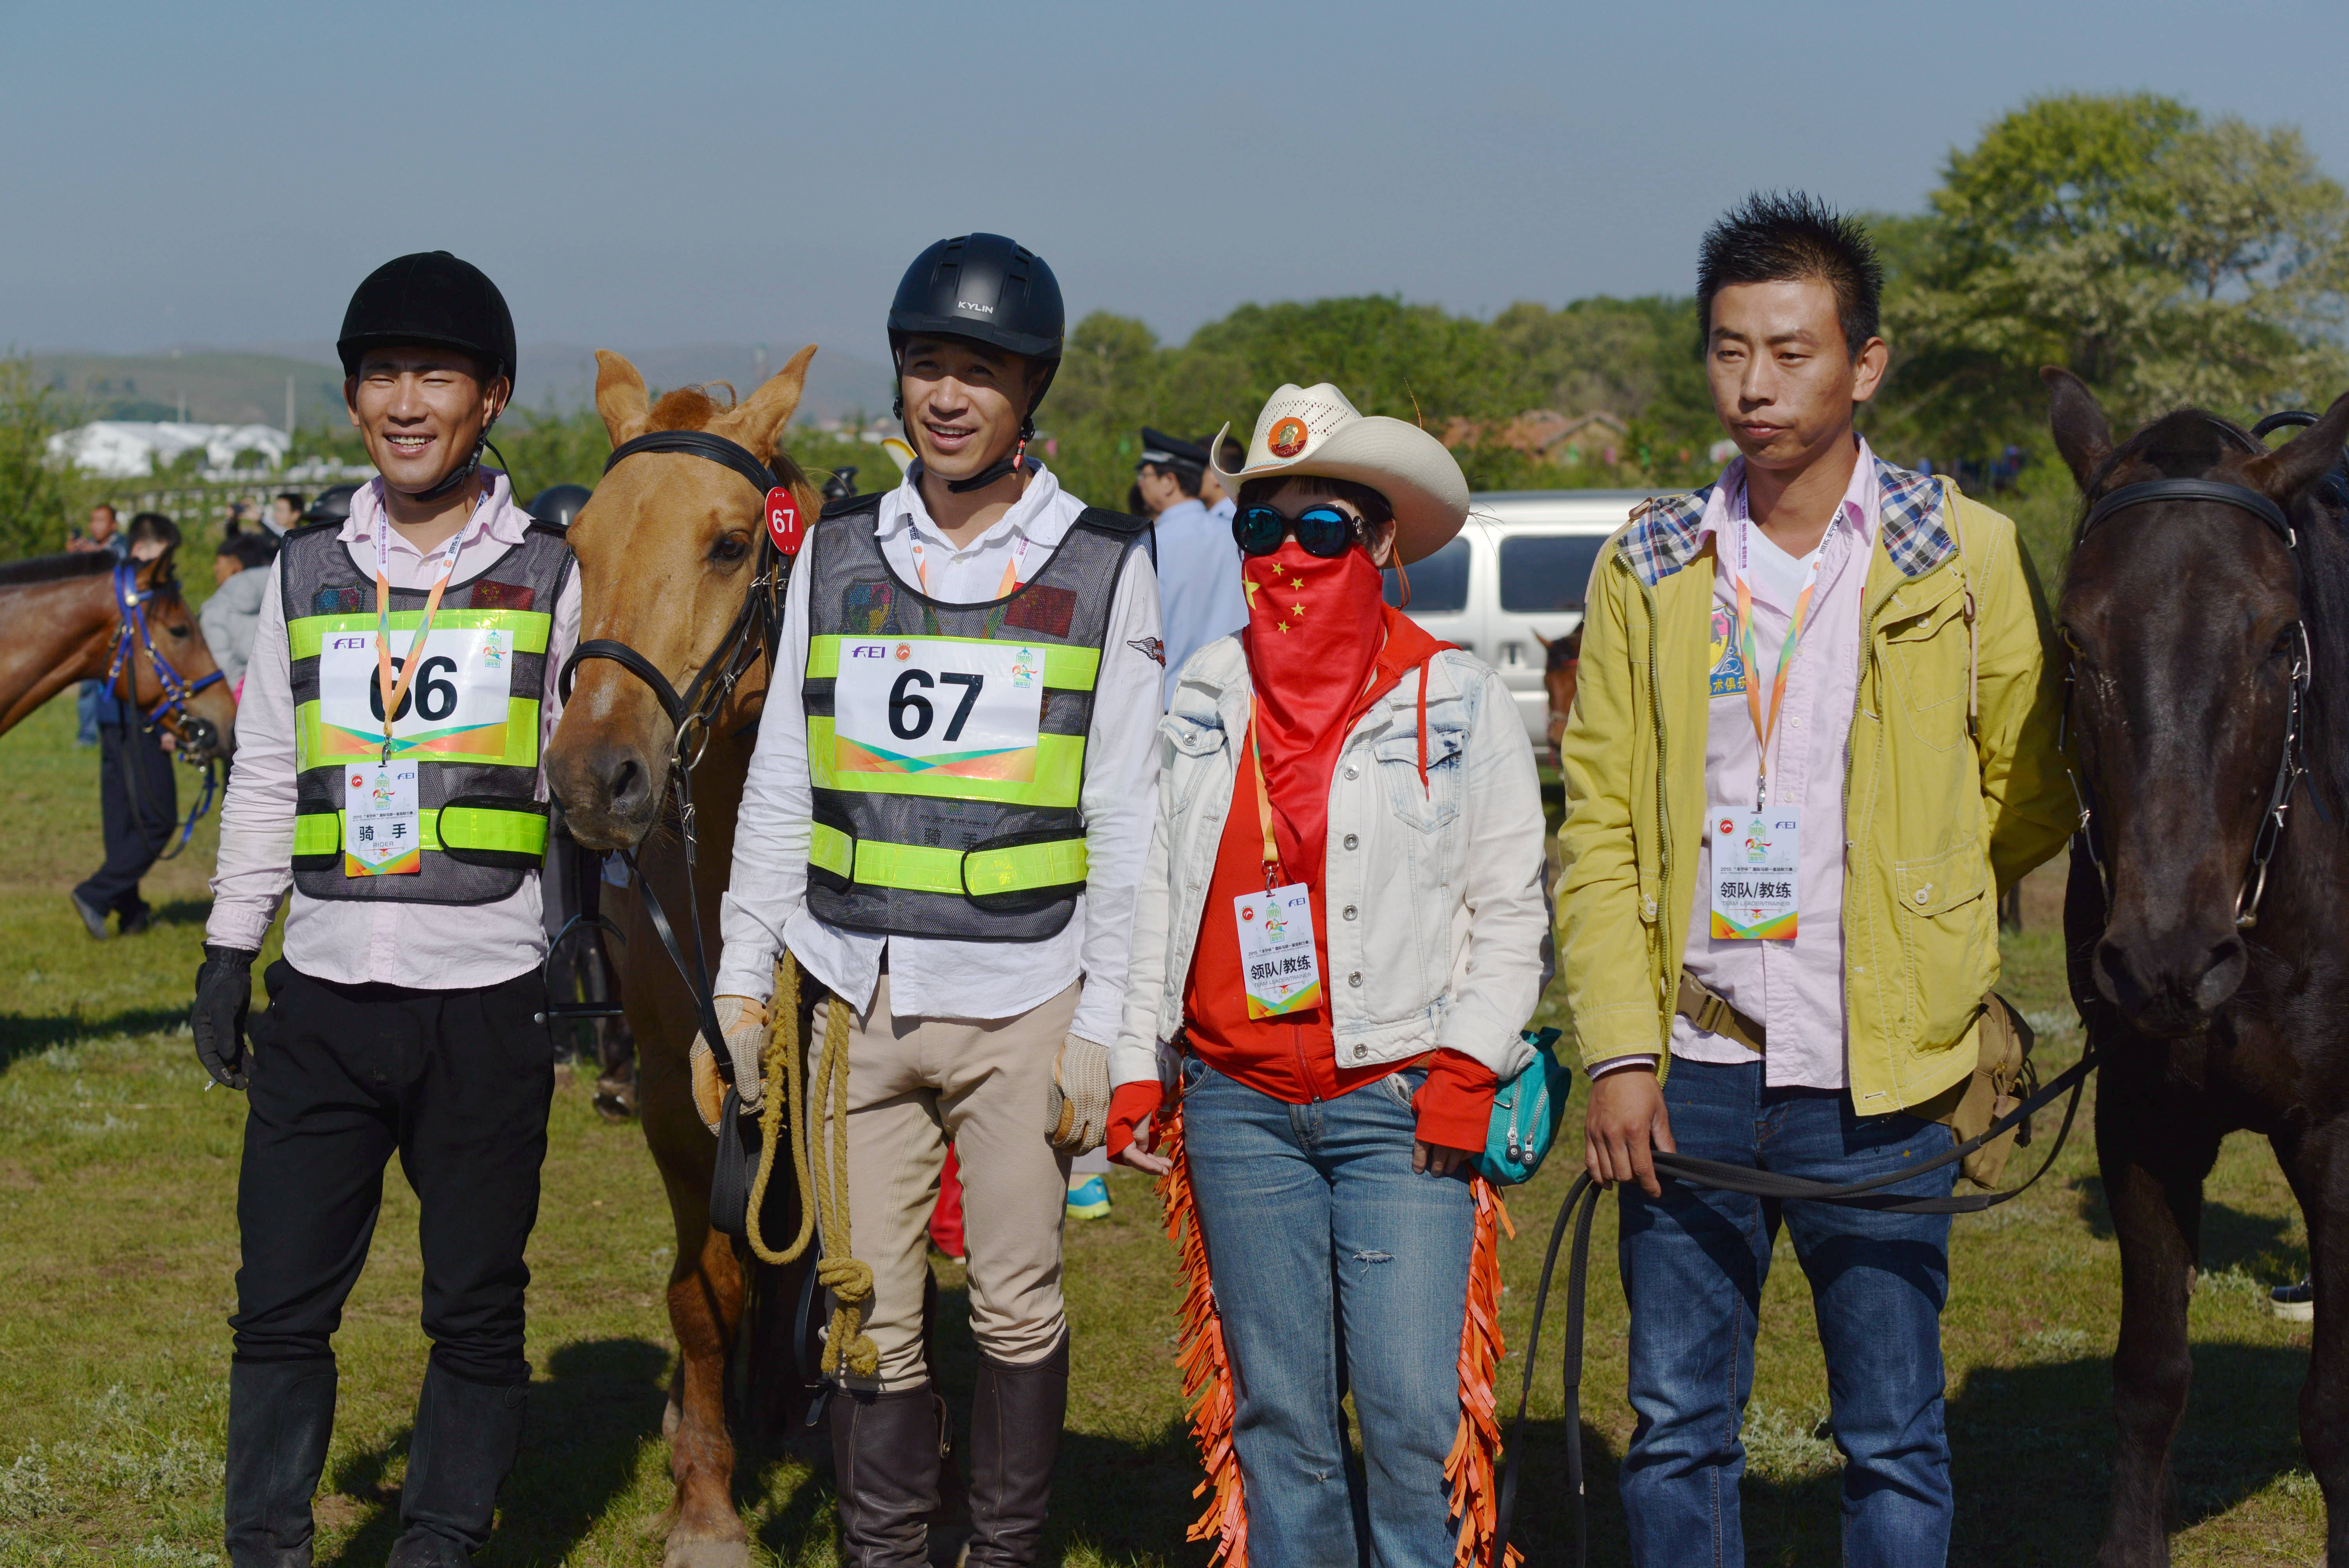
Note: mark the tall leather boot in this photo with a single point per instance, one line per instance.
(1015, 1435)
(280, 1417)
(885, 1460)
(467, 1437)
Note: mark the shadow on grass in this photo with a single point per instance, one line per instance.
(589, 1419)
(2231, 1237)
(28, 1035)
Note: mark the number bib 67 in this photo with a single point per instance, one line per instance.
(456, 702)
(953, 706)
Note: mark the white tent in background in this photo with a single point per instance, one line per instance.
(123, 448)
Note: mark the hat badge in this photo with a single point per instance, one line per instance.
(1287, 437)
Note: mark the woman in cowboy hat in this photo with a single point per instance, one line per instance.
(1340, 926)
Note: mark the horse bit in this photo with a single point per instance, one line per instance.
(133, 635)
(2292, 764)
(753, 632)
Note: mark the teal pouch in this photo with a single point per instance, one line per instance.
(1526, 1111)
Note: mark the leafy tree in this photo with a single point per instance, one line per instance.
(40, 500)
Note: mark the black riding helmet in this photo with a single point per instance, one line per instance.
(991, 290)
(431, 297)
(559, 504)
(332, 505)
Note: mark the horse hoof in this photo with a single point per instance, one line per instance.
(707, 1554)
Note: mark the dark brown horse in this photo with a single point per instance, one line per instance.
(667, 550)
(59, 623)
(2208, 625)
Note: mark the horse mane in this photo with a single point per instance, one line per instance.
(2192, 443)
(55, 568)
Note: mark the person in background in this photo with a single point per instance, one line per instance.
(1198, 568)
(1561, 661)
(139, 800)
(1230, 457)
(285, 513)
(101, 535)
(1340, 925)
(241, 579)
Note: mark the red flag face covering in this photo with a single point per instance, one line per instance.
(1313, 633)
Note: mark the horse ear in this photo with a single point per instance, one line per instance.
(1540, 638)
(755, 423)
(2300, 462)
(620, 398)
(2082, 433)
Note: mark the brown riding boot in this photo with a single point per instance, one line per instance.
(884, 1459)
(1015, 1436)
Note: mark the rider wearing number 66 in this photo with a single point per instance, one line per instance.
(944, 823)
(401, 687)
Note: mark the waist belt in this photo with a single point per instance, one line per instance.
(484, 827)
(1709, 1010)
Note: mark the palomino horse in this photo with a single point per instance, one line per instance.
(667, 550)
(2207, 612)
(60, 622)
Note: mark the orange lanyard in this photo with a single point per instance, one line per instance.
(1002, 590)
(394, 692)
(1764, 728)
(1263, 805)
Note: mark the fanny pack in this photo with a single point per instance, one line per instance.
(1526, 1111)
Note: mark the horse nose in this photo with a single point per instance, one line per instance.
(605, 791)
(625, 782)
(2171, 983)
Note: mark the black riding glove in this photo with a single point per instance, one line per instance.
(223, 995)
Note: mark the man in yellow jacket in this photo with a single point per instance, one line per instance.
(1814, 738)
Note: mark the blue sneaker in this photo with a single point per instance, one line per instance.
(1089, 1199)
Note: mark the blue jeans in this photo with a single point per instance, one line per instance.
(1693, 1264)
(1335, 1267)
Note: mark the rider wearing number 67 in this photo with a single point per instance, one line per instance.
(944, 821)
(401, 688)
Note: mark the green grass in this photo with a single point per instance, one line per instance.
(117, 1252)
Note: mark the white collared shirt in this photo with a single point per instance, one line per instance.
(766, 899)
(384, 941)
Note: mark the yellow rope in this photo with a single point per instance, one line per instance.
(823, 1182)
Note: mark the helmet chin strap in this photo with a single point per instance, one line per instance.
(1010, 465)
(462, 474)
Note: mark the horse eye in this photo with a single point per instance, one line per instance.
(729, 548)
(179, 631)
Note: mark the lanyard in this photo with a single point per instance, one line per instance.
(1011, 568)
(1764, 728)
(393, 691)
(1263, 806)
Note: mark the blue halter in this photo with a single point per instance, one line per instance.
(133, 635)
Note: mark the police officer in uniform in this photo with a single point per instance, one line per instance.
(400, 1019)
(1198, 565)
(944, 820)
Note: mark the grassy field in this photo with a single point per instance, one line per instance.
(117, 1250)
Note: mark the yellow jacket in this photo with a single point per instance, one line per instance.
(1936, 824)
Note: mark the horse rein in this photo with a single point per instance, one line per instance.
(2292, 765)
(133, 635)
(752, 633)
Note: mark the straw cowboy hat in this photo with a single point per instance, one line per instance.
(1314, 431)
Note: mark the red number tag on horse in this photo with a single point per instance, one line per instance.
(784, 520)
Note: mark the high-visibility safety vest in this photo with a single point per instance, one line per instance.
(947, 742)
(469, 720)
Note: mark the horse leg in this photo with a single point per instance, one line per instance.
(2318, 1166)
(2156, 1201)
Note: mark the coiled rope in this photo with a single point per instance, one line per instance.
(821, 1167)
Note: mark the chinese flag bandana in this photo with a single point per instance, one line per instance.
(1314, 631)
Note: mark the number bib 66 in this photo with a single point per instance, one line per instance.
(955, 705)
(456, 702)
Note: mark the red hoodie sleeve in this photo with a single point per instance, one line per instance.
(1456, 1103)
(1131, 1104)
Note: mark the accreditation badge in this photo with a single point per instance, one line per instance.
(1278, 968)
(1755, 880)
(381, 830)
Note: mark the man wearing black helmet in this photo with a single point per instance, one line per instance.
(945, 820)
(393, 1026)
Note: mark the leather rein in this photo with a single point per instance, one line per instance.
(691, 714)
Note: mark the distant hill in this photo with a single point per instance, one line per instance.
(230, 388)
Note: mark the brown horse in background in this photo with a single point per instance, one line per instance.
(667, 550)
(2208, 936)
(59, 623)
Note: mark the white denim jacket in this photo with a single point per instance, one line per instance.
(1439, 922)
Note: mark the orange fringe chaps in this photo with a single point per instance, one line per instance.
(1207, 1374)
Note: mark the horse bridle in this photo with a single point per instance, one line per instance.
(753, 632)
(133, 635)
(2292, 764)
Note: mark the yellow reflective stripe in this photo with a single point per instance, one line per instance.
(531, 628)
(1059, 782)
(1065, 668)
(467, 827)
(920, 868)
(311, 749)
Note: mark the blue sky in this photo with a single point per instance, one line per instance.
(647, 174)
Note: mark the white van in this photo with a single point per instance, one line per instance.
(1520, 566)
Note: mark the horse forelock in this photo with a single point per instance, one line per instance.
(684, 408)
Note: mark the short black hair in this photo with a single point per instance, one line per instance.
(1771, 238)
(253, 552)
(293, 498)
(155, 526)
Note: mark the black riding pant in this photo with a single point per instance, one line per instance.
(458, 1083)
(139, 801)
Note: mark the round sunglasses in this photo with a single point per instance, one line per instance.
(1321, 531)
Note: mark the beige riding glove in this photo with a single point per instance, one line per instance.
(1079, 1103)
(744, 1019)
